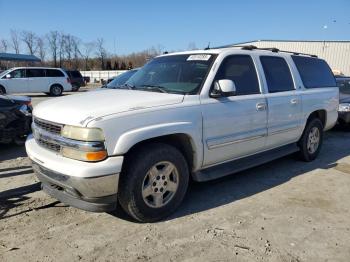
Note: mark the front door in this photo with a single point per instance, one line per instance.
(17, 83)
(235, 126)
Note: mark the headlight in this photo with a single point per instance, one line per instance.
(87, 150)
(82, 133)
(344, 107)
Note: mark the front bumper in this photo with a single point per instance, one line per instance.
(88, 186)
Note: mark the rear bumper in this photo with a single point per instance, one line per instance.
(88, 186)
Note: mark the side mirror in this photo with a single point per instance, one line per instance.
(223, 88)
(8, 76)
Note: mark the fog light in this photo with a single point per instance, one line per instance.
(84, 156)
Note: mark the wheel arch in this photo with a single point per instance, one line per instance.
(320, 114)
(181, 141)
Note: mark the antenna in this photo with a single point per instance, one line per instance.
(208, 47)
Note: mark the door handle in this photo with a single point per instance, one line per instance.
(260, 106)
(294, 101)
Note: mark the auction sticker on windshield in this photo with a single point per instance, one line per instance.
(199, 57)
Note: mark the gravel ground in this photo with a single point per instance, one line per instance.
(286, 210)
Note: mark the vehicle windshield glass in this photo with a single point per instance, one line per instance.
(4, 73)
(183, 74)
(120, 79)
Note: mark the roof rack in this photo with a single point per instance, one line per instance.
(272, 49)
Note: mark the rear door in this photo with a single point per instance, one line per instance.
(17, 83)
(284, 102)
(37, 81)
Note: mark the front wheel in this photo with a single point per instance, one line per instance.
(311, 141)
(154, 182)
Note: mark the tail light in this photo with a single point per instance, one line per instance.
(68, 80)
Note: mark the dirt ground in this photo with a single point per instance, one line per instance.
(286, 210)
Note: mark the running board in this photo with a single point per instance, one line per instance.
(238, 165)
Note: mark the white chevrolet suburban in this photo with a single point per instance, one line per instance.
(195, 115)
(51, 81)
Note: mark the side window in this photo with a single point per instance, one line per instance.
(54, 73)
(277, 74)
(19, 73)
(33, 72)
(241, 70)
(314, 72)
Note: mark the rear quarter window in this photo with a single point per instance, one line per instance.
(54, 73)
(314, 72)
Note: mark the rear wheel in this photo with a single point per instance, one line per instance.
(56, 90)
(2, 90)
(154, 182)
(311, 141)
(75, 87)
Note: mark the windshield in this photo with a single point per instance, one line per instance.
(4, 73)
(121, 79)
(183, 74)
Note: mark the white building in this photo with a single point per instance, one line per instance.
(336, 53)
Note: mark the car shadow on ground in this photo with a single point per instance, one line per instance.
(212, 194)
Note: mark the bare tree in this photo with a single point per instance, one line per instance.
(15, 40)
(53, 39)
(101, 52)
(88, 48)
(61, 48)
(41, 48)
(30, 40)
(3, 45)
(76, 51)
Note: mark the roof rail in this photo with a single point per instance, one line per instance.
(272, 49)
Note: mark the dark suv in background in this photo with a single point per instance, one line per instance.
(343, 82)
(77, 80)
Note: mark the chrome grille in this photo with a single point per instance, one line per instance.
(49, 145)
(48, 126)
(41, 126)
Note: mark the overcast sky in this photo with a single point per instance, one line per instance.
(131, 26)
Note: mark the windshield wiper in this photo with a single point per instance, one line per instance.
(155, 88)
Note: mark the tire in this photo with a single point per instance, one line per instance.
(311, 141)
(140, 188)
(2, 90)
(56, 90)
(75, 87)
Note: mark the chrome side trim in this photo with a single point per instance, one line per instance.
(235, 141)
(66, 142)
(283, 130)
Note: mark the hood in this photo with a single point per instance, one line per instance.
(81, 108)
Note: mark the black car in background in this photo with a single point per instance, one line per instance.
(15, 118)
(344, 100)
(76, 79)
(120, 79)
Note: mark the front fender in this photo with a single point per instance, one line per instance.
(130, 138)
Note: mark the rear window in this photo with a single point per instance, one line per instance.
(314, 72)
(277, 73)
(75, 74)
(54, 73)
